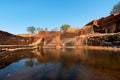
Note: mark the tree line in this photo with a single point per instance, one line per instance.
(33, 29)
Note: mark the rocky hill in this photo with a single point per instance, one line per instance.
(11, 39)
(101, 32)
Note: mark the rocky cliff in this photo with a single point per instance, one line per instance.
(10, 39)
(101, 32)
(109, 24)
(112, 39)
(48, 35)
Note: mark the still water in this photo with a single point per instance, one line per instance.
(62, 64)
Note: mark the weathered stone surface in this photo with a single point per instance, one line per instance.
(109, 24)
(104, 40)
(10, 39)
(70, 33)
(89, 29)
(48, 35)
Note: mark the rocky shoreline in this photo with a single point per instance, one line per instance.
(106, 48)
(8, 48)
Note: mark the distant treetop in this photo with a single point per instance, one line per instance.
(31, 29)
(64, 27)
(116, 8)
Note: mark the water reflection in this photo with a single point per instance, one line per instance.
(61, 64)
(11, 57)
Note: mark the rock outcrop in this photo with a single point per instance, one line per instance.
(109, 24)
(112, 39)
(48, 35)
(89, 35)
(28, 35)
(10, 39)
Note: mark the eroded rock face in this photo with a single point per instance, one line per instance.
(70, 33)
(10, 39)
(48, 35)
(109, 24)
(104, 40)
(89, 29)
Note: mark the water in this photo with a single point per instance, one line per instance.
(62, 64)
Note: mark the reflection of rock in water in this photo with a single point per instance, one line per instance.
(11, 57)
(70, 57)
(29, 63)
(66, 64)
(39, 54)
(107, 60)
(46, 55)
(67, 57)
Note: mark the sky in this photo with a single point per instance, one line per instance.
(17, 15)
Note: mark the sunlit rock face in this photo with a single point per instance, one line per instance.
(48, 35)
(109, 24)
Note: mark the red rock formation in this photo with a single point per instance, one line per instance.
(10, 39)
(109, 24)
(48, 35)
(70, 33)
(28, 35)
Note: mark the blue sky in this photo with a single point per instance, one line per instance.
(17, 15)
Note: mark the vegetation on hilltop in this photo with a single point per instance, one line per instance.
(64, 27)
(31, 29)
(116, 8)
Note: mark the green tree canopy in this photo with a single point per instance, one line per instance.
(31, 29)
(64, 27)
(116, 8)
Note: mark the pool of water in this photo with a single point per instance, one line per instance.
(60, 64)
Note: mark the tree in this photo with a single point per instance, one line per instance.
(55, 29)
(64, 27)
(31, 29)
(116, 8)
(46, 29)
(40, 29)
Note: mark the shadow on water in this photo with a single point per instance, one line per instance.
(60, 64)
